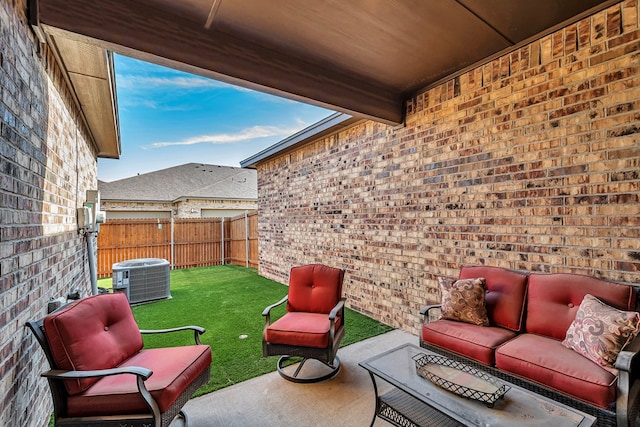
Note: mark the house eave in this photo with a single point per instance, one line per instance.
(327, 126)
(226, 199)
(89, 72)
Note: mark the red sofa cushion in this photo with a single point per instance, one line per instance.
(301, 329)
(314, 288)
(506, 293)
(96, 332)
(174, 368)
(554, 300)
(473, 341)
(547, 362)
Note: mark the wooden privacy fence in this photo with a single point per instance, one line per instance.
(183, 242)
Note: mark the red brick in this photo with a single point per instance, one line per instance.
(525, 162)
(41, 253)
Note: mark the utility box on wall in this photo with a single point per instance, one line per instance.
(142, 279)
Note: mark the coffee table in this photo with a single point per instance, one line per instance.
(404, 398)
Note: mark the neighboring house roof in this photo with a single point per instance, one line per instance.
(191, 180)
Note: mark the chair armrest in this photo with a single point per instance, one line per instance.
(426, 312)
(141, 374)
(197, 331)
(339, 308)
(334, 311)
(76, 375)
(267, 311)
(627, 356)
(628, 365)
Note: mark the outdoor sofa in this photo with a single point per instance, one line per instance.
(554, 334)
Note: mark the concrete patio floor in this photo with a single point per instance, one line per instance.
(345, 400)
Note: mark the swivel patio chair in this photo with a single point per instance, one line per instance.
(313, 324)
(101, 376)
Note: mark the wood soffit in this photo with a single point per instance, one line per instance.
(88, 69)
(364, 58)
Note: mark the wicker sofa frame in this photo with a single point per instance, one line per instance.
(627, 407)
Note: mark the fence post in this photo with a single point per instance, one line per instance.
(246, 238)
(222, 241)
(173, 245)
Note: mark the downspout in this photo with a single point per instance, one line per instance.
(91, 223)
(93, 273)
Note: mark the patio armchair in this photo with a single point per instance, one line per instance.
(313, 324)
(101, 375)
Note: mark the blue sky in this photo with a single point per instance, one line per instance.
(168, 118)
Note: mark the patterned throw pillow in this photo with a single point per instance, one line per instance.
(463, 300)
(599, 332)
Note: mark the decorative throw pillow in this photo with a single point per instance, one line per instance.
(463, 300)
(599, 332)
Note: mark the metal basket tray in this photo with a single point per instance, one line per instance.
(460, 378)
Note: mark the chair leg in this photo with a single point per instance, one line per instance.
(180, 420)
(334, 368)
(183, 415)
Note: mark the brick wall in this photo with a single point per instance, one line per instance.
(46, 165)
(529, 162)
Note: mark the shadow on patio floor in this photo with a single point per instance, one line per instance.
(345, 400)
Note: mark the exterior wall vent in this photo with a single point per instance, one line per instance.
(142, 279)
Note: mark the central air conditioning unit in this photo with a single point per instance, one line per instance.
(142, 279)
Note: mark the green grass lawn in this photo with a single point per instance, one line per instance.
(228, 301)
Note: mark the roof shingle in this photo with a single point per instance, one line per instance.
(195, 180)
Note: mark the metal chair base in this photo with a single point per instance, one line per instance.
(335, 367)
(185, 420)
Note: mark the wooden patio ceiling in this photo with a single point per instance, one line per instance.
(361, 57)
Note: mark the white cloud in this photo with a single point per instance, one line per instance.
(246, 134)
(183, 82)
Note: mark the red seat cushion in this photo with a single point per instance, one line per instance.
(547, 362)
(174, 369)
(473, 341)
(301, 330)
(506, 293)
(96, 332)
(314, 288)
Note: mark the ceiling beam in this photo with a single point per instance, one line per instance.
(144, 30)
